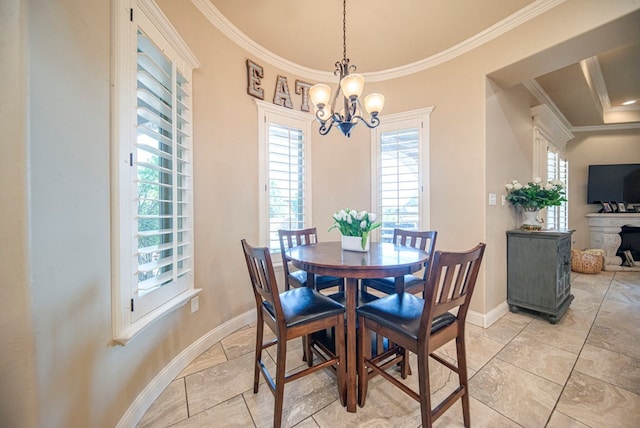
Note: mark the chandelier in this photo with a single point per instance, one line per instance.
(351, 86)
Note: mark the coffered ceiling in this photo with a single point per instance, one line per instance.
(383, 36)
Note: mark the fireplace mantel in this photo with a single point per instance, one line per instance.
(605, 234)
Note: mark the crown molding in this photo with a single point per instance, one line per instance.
(610, 114)
(225, 26)
(595, 80)
(541, 95)
(606, 128)
(218, 20)
(168, 31)
(551, 125)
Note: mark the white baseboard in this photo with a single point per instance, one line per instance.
(486, 320)
(152, 391)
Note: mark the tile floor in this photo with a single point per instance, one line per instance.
(524, 372)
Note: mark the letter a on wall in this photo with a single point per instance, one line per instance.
(282, 96)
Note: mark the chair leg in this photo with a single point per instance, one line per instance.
(305, 348)
(425, 390)
(342, 361)
(405, 369)
(258, 358)
(307, 351)
(278, 394)
(462, 375)
(380, 344)
(364, 347)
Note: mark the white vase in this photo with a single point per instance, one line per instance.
(530, 219)
(354, 243)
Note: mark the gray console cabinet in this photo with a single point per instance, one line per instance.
(539, 272)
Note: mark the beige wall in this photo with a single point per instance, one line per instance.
(585, 150)
(59, 221)
(509, 157)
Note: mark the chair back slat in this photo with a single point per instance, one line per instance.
(451, 279)
(416, 239)
(424, 240)
(294, 238)
(263, 278)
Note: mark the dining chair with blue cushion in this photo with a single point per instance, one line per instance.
(294, 313)
(422, 326)
(299, 278)
(424, 240)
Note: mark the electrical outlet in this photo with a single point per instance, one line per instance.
(195, 304)
(504, 200)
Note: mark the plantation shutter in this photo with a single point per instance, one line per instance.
(563, 210)
(286, 180)
(162, 186)
(399, 181)
(557, 169)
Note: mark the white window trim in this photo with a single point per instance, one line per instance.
(413, 118)
(549, 132)
(123, 100)
(267, 112)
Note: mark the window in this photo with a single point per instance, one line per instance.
(152, 172)
(285, 173)
(558, 169)
(400, 175)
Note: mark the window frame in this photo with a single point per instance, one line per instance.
(420, 119)
(128, 16)
(270, 113)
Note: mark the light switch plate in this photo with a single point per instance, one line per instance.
(492, 198)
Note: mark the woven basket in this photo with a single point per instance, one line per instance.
(587, 261)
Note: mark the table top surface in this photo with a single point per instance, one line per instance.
(381, 256)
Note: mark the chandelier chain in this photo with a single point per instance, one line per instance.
(344, 29)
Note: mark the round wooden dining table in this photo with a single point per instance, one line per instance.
(383, 260)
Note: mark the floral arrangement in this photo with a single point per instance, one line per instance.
(535, 195)
(355, 223)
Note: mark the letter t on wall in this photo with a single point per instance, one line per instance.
(302, 88)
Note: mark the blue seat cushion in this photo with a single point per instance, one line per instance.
(401, 313)
(388, 285)
(303, 305)
(299, 277)
(362, 297)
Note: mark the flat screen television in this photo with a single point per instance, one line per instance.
(618, 183)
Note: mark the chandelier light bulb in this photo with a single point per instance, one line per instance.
(374, 103)
(352, 85)
(320, 95)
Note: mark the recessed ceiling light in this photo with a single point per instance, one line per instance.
(628, 103)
